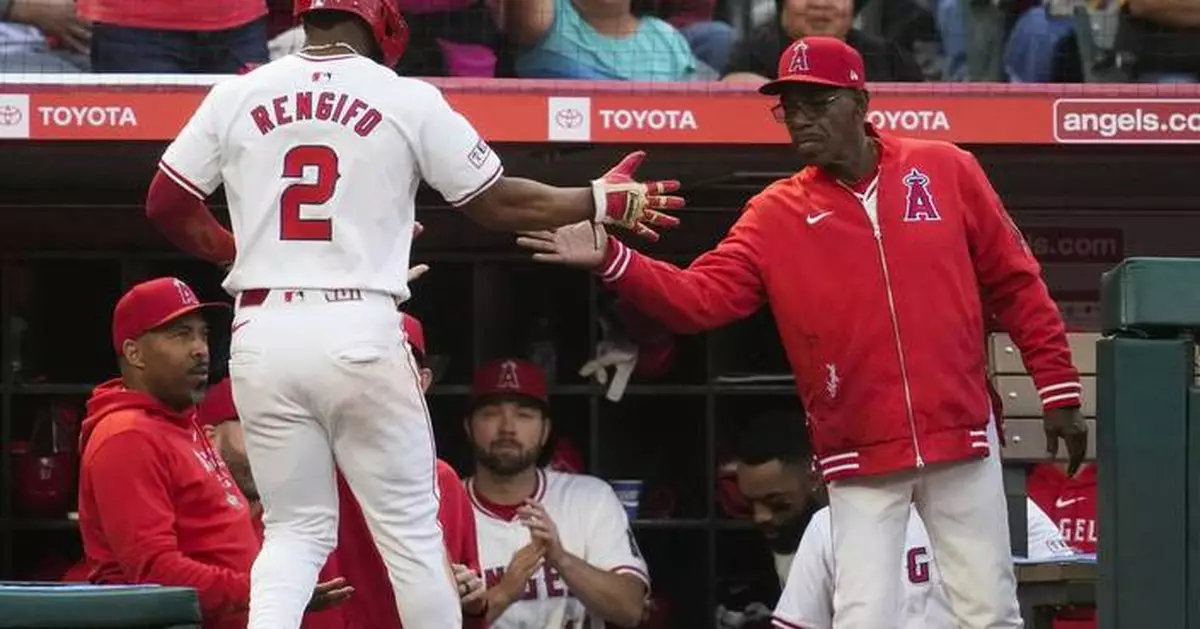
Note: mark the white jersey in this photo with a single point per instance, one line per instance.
(807, 599)
(592, 526)
(321, 158)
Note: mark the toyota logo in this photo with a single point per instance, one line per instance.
(10, 115)
(568, 118)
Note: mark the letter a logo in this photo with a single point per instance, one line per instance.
(799, 64)
(918, 204)
(508, 376)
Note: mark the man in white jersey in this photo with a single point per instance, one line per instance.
(775, 474)
(591, 571)
(321, 154)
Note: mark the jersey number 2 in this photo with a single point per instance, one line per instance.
(324, 161)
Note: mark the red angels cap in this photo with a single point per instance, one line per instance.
(217, 406)
(414, 332)
(152, 304)
(819, 61)
(510, 376)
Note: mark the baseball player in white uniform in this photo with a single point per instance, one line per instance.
(807, 600)
(556, 549)
(321, 154)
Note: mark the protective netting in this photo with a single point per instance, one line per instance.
(1019, 41)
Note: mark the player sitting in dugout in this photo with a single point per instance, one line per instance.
(787, 503)
(556, 549)
(356, 558)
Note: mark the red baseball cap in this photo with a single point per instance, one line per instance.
(217, 406)
(818, 61)
(510, 376)
(414, 332)
(152, 304)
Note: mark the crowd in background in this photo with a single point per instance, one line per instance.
(1149, 41)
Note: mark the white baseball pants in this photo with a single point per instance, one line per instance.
(319, 376)
(966, 514)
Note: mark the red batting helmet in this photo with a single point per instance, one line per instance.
(389, 27)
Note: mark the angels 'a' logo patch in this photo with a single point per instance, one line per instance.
(799, 64)
(918, 203)
(508, 376)
(186, 296)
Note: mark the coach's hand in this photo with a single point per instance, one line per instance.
(329, 594)
(543, 530)
(580, 245)
(1067, 423)
(634, 205)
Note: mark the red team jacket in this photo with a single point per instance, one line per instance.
(1071, 503)
(881, 319)
(157, 505)
(356, 558)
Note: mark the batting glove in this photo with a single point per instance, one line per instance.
(613, 352)
(634, 205)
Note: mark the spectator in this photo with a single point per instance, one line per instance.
(1161, 39)
(755, 58)
(711, 40)
(356, 558)
(556, 549)
(39, 36)
(775, 473)
(598, 40)
(177, 36)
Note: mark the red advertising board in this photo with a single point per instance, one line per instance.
(94, 107)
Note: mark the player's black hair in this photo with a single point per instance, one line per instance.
(776, 435)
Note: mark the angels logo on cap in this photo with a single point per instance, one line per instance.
(186, 296)
(799, 61)
(508, 376)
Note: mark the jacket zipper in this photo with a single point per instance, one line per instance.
(887, 282)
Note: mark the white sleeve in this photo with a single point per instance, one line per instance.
(451, 155)
(611, 545)
(807, 599)
(193, 160)
(1045, 540)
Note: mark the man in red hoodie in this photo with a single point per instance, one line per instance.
(356, 558)
(156, 504)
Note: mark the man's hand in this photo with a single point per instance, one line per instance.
(471, 589)
(57, 18)
(520, 568)
(633, 205)
(580, 245)
(421, 269)
(329, 594)
(533, 515)
(1067, 423)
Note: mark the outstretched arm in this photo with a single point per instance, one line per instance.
(721, 286)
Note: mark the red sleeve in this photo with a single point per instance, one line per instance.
(1013, 289)
(458, 527)
(131, 487)
(186, 221)
(721, 286)
(457, 518)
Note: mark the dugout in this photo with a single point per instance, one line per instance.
(1092, 173)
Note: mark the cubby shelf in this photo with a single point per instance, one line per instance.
(669, 431)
